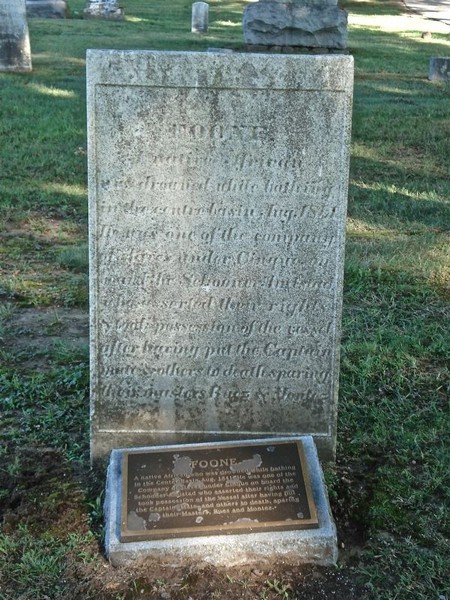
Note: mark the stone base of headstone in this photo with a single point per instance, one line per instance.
(47, 9)
(291, 49)
(310, 24)
(439, 69)
(294, 547)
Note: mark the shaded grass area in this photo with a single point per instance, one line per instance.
(390, 487)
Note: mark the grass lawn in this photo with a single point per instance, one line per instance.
(390, 486)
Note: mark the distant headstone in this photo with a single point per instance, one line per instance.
(199, 23)
(439, 69)
(103, 9)
(47, 9)
(295, 23)
(218, 188)
(15, 53)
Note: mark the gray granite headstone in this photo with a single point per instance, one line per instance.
(199, 21)
(295, 23)
(439, 68)
(103, 9)
(15, 53)
(218, 187)
(47, 9)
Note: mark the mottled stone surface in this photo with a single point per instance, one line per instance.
(47, 9)
(103, 9)
(439, 69)
(15, 53)
(307, 23)
(263, 549)
(199, 21)
(218, 187)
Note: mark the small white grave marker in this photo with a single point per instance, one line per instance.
(199, 17)
(439, 69)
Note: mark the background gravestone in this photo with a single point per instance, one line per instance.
(218, 188)
(15, 53)
(439, 69)
(46, 9)
(103, 9)
(295, 23)
(199, 19)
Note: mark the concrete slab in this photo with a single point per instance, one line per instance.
(294, 547)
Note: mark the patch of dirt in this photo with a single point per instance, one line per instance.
(42, 491)
(51, 498)
(36, 333)
(54, 498)
(208, 583)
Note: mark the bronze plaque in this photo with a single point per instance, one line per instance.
(242, 488)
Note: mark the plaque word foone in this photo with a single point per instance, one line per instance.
(218, 490)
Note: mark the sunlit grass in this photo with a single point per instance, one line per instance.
(52, 91)
(399, 24)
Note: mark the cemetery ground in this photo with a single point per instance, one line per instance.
(389, 488)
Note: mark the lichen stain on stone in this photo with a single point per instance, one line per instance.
(251, 464)
(233, 482)
(154, 517)
(135, 523)
(243, 520)
(182, 466)
(196, 484)
(177, 487)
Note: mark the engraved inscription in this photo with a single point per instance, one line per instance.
(234, 489)
(218, 261)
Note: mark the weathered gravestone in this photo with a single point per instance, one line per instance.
(47, 9)
(199, 20)
(439, 68)
(15, 53)
(218, 188)
(103, 9)
(295, 23)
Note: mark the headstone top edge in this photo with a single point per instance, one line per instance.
(307, 440)
(93, 53)
(219, 70)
